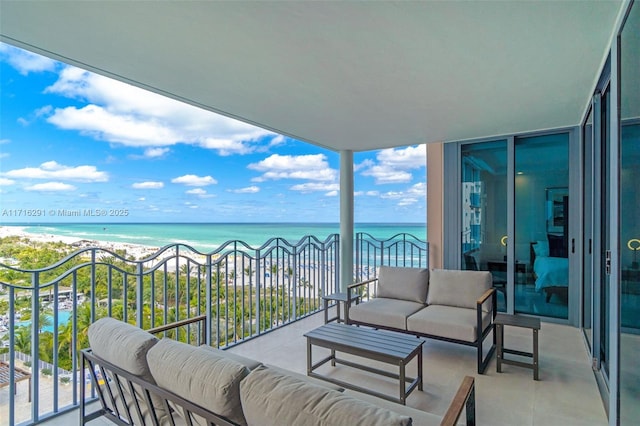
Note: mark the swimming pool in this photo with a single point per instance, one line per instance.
(63, 318)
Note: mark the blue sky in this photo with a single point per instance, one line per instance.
(74, 140)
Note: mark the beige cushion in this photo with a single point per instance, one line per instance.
(447, 321)
(403, 283)
(384, 312)
(304, 378)
(418, 417)
(247, 362)
(270, 398)
(122, 344)
(200, 376)
(125, 346)
(458, 288)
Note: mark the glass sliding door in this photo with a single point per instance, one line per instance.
(629, 390)
(541, 240)
(587, 228)
(484, 211)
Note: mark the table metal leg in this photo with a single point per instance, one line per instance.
(403, 387)
(535, 354)
(309, 363)
(500, 336)
(326, 311)
(420, 383)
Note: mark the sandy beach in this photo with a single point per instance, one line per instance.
(138, 251)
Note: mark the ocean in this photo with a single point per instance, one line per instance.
(209, 236)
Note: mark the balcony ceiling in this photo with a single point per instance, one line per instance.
(342, 75)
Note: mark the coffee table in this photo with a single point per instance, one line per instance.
(380, 345)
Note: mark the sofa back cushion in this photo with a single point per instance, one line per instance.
(458, 288)
(274, 398)
(123, 345)
(206, 378)
(403, 283)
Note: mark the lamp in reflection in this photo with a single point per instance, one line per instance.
(503, 241)
(634, 245)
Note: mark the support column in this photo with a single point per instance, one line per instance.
(346, 219)
(435, 203)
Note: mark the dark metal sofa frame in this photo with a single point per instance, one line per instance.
(121, 385)
(481, 334)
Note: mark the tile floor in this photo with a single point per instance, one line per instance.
(566, 393)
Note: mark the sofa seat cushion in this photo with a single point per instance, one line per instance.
(271, 398)
(201, 376)
(384, 312)
(403, 283)
(447, 321)
(458, 288)
(418, 417)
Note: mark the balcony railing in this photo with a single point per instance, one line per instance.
(241, 291)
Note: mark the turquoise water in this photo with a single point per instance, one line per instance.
(63, 318)
(207, 237)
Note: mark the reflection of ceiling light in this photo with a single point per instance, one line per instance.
(519, 173)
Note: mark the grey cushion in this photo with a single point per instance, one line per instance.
(384, 312)
(126, 346)
(122, 344)
(458, 288)
(199, 375)
(418, 417)
(270, 398)
(304, 378)
(403, 283)
(247, 362)
(447, 321)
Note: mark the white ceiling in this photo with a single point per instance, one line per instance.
(343, 75)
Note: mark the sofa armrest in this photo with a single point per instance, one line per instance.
(464, 398)
(487, 294)
(354, 286)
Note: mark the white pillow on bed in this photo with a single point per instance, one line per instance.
(541, 248)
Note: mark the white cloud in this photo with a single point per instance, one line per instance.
(51, 187)
(412, 195)
(309, 167)
(124, 114)
(54, 170)
(155, 152)
(4, 155)
(3, 141)
(148, 185)
(332, 194)
(200, 193)
(248, 190)
(142, 199)
(6, 182)
(316, 186)
(25, 61)
(393, 164)
(193, 180)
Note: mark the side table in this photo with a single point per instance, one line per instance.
(338, 298)
(516, 321)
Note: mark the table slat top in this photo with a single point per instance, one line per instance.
(380, 342)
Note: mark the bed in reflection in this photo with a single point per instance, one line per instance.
(551, 266)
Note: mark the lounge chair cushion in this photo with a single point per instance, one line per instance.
(458, 288)
(403, 283)
(205, 377)
(271, 398)
(384, 312)
(447, 321)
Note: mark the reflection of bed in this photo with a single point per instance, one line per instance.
(551, 272)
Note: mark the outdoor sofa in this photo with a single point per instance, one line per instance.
(142, 380)
(451, 305)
